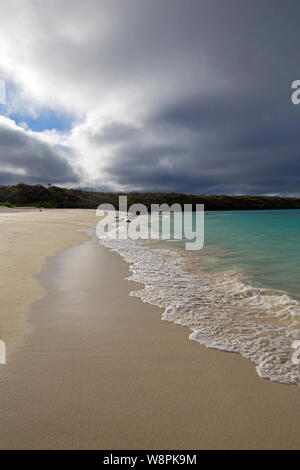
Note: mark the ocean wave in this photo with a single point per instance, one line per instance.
(222, 311)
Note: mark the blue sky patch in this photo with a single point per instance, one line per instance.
(46, 120)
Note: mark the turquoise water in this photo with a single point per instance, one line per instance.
(240, 293)
(263, 245)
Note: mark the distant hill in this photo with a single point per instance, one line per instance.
(55, 197)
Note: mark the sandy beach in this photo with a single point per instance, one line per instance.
(91, 367)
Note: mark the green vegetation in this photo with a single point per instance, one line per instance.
(55, 197)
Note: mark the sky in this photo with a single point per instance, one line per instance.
(188, 96)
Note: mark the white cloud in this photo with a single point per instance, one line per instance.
(164, 94)
(35, 157)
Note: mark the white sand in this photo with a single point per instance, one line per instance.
(99, 369)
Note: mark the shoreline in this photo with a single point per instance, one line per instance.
(27, 238)
(102, 371)
(207, 304)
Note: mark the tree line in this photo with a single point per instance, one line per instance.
(56, 197)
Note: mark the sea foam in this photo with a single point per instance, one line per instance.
(222, 311)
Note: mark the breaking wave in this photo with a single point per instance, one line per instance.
(222, 311)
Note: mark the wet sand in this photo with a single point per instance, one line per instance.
(100, 370)
(27, 237)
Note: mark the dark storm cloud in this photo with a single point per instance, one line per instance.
(26, 158)
(112, 133)
(240, 136)
(190, 96)
(215, 145)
